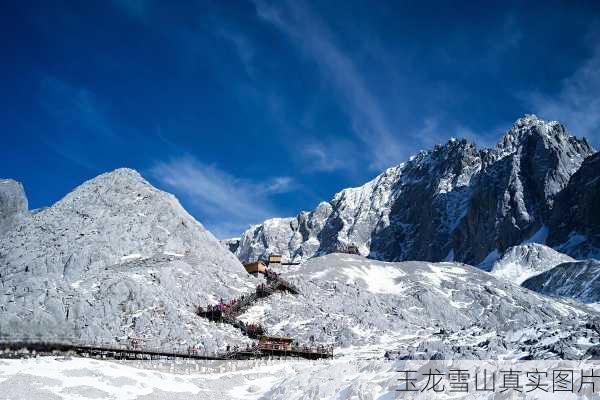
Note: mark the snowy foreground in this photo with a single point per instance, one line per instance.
(54, 378)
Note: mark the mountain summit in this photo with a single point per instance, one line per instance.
(453, 202)
(115, 258)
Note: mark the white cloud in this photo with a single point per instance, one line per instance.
(73, 106)
(242, 46)
(369, 122)
(329, 155)
(577, 103)
(226, 204)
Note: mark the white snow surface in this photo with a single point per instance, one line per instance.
(116, 258)
(366, 307)
(524, 261)
(50, 378)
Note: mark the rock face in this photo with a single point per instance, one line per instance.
(421, 310)
(575, 220)
(579, 280)
(231, 244)
(524, 261)
(13, 204)
(453, 202)
(115, 258)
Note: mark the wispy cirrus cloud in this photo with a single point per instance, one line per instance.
(243, 47)
(226, 204)
(73, 105)
(78, 120)
(577, 103)
(329, 155)
(307, 30)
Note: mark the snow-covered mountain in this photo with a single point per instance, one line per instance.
(524, 261)
(115, 258)
(575, 219)
(422, 310)
(579, 280)
(453, 202)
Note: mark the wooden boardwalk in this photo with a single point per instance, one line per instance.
(31, 347)
(20, 349)
(229, 312)
(28, 349)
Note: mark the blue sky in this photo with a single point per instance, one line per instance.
(248, 110)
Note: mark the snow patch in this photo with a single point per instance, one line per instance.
(378, 278)
(134, 256)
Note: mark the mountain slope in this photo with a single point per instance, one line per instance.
(418, 309)
(115, 258)
(579, 280)
(524, 261)
(453, 202)
(575, 221)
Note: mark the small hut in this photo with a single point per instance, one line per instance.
(275, 343)
(256, 267)
(348, 249)
(274, 259)
(352, 249)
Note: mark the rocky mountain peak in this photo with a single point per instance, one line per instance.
(531, 129)
(108, 187)
(113, 259)
(109, 219)
(472, 204)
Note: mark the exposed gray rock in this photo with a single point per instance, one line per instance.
(116, 258)
(231, 244)
(453, 202)
(13, 204)
(295, 239)
(513, 196)
(524, 261)
(579, 280)
(575, 221)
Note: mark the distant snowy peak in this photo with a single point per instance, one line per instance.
(524, 261)
(553, 133)
(553, 145)
(452, 202)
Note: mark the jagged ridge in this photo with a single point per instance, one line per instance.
(453, 202)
